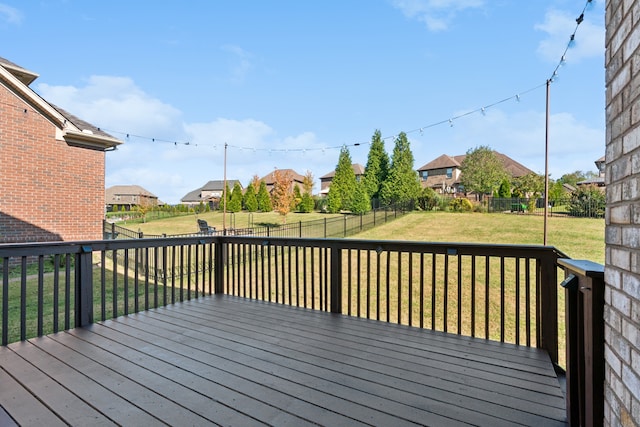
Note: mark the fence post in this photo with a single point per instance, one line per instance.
(300, 229)
(547, 328)
(344, 226)
(360, 221)
(113, 230)
(84, 287)
(374, 217)
(584, 290)
(325, 227)
(220, 256)
(336, 280)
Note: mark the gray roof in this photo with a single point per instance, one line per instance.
(79, 123)
(358, 169)
(444, 161)
(126, 190)
(195, 196)
(22, 74)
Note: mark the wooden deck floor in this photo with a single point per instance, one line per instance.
(229, 361)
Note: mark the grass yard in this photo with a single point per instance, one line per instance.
(188, 223)
(579, 238)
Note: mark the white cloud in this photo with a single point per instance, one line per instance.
(10, 15)
(116, 103)
(241, 63)
(436, 14)
(559, 25)
(171, 170)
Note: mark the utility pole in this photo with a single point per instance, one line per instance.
(546, 165)
(224, 194)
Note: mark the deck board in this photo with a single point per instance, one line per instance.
(223, 360)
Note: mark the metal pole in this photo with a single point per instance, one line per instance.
(546, 165)
(224, 194)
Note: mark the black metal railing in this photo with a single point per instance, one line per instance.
(501, 292)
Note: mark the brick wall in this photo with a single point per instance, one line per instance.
(48, 190)
(622, 270)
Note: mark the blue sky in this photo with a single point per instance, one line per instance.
(286, 83)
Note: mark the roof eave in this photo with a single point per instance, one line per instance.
(89, 140)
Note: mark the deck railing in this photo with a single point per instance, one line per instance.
(501, 292)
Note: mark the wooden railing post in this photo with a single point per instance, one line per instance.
(336, 279)
(84, 287)
(548, 306)
(584, 289)
(219, 261)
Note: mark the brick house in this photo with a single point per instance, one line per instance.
(444, 173)
(622, 219)
(128, 196)
(210, 194)
(52, 166)
(298, 179)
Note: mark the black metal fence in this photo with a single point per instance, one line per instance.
(584, 207)
(335, 226)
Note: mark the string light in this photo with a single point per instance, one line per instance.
(481, 110)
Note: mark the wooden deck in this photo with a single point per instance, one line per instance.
(229, 361)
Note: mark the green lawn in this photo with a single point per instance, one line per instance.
(188, 223)
(579, 238)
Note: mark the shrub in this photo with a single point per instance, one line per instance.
(460, 205)
(588, 201)
(428, 199)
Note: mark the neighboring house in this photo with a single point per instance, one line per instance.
(444, 173)
(297, 179)
(598, 181)
(128, 196)
(52, 166)
(211, 193)
(325, 180)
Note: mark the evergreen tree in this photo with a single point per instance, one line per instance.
(505, 189)
(307, 203)
(250, 200)
(264, 199)
(307, 183)
(343, 184)
(297, 198)
(377, 168)
(361, 202)
(402, 185)
(235, 201)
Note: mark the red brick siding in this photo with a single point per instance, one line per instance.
(48, 190)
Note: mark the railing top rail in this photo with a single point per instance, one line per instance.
(583, 267)
(451, 248)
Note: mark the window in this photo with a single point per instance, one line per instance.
(425, 174)
(449, 172)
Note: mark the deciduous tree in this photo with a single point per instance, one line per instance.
(308, 183)
(482, 171)
(282, 193)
